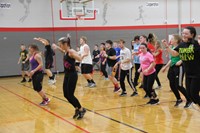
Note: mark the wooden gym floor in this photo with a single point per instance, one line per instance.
(106, 111)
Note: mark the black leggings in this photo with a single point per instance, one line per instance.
(123, 74)
(148, 82)
(158, 68)
(175, 76)
(193, 88)
(103, 70)
(137, 74)
(69, 86)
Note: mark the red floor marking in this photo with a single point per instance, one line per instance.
(45, 110)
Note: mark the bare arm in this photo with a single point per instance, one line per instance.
(166, 66)
(54, 46)
(42, 40)
(169, 50)
(156, 53)
(152, 65)
(19, 59)
(74, 54)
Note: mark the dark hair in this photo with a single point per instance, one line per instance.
(144, 36)
(22, 44)
(136, 38)
(65, 40)
(150, 36)
(34, 46)
(144, 44)
(121, 40)
(103, 43)
(109, 42)
(96, 45)
(192, 30)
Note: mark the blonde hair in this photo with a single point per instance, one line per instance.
(177, 38)
(84, 38)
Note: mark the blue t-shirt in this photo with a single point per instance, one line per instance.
(117, 52)
(136, 59)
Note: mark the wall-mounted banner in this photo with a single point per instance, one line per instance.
(152, 4)
(5, 5)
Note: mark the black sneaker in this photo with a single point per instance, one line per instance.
(24, 80)
(150, 101)
(155, 101)
(29, 80)
(188, 104)
(123, 94)
(134, 94)
(76, 114)
(178, 102)
(146, 96)
(81, 114)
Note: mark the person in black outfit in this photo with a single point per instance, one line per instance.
(71, 76)
(95, 60)
(189, 52)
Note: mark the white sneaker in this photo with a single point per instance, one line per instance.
(51, 82)
(92, 85)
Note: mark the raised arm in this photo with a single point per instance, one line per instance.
(169, 50)
(42, 40)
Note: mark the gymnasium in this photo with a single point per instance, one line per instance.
(65, 25)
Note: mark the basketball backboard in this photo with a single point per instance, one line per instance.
(77, 10)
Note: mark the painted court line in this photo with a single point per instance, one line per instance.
(46, 110)
(100, 114)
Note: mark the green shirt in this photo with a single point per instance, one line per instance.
(174, 59)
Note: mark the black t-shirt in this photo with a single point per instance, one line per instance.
(111, 52)
(95, 53)
(69, 64)
(23, 55)
(49, 53)
(190, 55)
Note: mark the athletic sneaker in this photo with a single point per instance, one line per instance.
(150, 101)
(23, 80)
(76, 114)
(188, 104)
(106, 79)
(81, 114)
(45, 102)
(88, 85)
(116, 89)
(52, 81)
(123, 94)
(155, 101)
(178, 102)
(29, 80)
(92, 85)
(146, 96)
(134, 94)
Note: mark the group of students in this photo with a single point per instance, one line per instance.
(147, 57)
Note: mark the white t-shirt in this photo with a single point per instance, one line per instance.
(87, 59)
(125, 54)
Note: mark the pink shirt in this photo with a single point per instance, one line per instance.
(145, 61)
